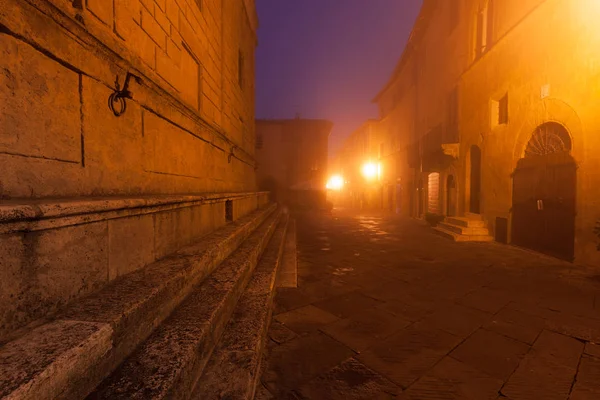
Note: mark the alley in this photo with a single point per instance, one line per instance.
(387, 309)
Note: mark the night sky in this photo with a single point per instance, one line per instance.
(328, 58)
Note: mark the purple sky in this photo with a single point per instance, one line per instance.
(328, 58)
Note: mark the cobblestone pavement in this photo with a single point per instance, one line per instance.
(387, 309)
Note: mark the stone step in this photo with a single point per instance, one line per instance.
(463, 230)
(171, 360)
(234, 367)
(466, 222)
(68, 356)
(473, 216)
(462, 238)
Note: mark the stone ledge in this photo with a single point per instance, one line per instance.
(130, 308)
(234, 367)
(167, 364)
(34, 215)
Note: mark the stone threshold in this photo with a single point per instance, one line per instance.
(42, 214)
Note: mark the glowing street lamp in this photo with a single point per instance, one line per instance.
(371, 170)
(336, 182)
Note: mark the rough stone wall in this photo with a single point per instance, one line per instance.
(58, 64)
(86, 196)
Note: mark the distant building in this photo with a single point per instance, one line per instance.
(292, 159)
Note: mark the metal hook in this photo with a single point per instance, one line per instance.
(231, 154)
(116, 101)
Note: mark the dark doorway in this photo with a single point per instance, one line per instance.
(420, 197)
(450, 196)
(544, 189)
(475, 198)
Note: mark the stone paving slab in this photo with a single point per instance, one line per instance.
(294, 363)
(548, 371)
(452, 379)
(494, 354)
(432, 318)
(364, 330)
(306, 319)
(350, 380)
(405, 356)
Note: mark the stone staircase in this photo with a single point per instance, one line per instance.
(470, 228)
(189, 326)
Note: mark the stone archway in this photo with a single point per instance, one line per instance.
(544, 193)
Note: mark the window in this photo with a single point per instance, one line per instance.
(241, 69)
(503, 110)
(484, 31)
(259, 142)
(499, 111)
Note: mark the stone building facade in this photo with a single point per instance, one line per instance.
(292, 158)
(97, 182)
(491, 112)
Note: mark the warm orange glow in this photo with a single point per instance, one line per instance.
(370, 170)
(336, 182)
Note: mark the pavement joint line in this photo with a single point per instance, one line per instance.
(519, 363)
(331, 337)
(506, 336)
(576, 371)
(440, 360)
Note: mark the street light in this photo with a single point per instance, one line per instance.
(371, 170)
(336, 182)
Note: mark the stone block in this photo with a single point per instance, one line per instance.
(102, 9)
(169, 70)
(39, 104)
(131, 244)
(113, 146)
(127, 17)
(153, 29)
(45, 270)
(172, 11)
(171, 150)
(172, 230)
(163, 21)
(41, 364)
(12, 285)
(141, 44)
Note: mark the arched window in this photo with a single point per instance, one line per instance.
(548, 138)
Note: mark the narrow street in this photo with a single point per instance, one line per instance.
(387, 309)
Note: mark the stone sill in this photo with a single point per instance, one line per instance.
(42, 214)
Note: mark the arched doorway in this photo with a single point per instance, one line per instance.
(450, 196)
(475, 180)
(544, 188)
